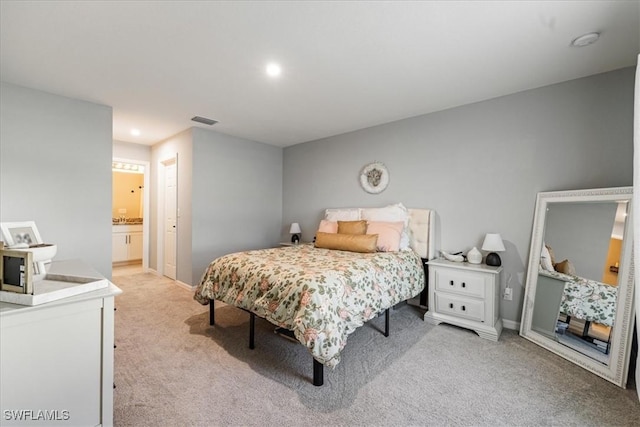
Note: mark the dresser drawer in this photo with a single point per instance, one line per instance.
(460, 307)
(460, 282)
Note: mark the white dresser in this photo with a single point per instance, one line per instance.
(465, 295)
(56, 359)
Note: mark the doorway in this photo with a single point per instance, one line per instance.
(130, 207)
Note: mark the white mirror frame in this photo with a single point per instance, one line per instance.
(617, 369)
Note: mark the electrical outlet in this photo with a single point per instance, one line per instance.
(507, 294)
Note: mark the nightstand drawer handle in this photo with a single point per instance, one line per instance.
(464, 285)
(464, 308)
(451, 282)
(450, 305)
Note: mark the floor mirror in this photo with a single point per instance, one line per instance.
(579, 301)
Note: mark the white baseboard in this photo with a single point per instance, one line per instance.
(510, 324)
(177, 282)
(184, 285)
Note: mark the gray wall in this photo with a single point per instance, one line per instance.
(130, 151)
(237, 196)
(180, 145)
(479, 166)
(55, 164)
(581, 233)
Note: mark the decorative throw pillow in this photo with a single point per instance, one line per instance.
(352, 227)
(552, 256)
(348, 214)
(364, 243)
(388, 234)
(327, 226)
(391, 213)
(566, 267)
(545, 259)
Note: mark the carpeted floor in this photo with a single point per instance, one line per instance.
(172, 368)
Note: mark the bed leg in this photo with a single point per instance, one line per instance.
(212, 316)
(386, 322)
(318, 373)
(252, 330)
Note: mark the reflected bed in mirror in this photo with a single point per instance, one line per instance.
(579, 291)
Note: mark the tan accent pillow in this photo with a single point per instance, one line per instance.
(363, 243)
(352, 227)
(565, 267)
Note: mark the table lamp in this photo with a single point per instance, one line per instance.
(295, 233)
(493, 243)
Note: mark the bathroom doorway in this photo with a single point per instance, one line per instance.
(130, 214)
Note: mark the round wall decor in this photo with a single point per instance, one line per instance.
(374, 178)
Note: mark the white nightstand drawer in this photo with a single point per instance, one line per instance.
(460, 282)
(467, 309)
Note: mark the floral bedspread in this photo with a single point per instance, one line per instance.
(587, 299)
(322, 295)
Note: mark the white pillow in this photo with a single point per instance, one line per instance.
(545, 259)
(349, 214)
(391, 213)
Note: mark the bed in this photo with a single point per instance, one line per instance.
(586, 299)
(574, 297)
(317, 295)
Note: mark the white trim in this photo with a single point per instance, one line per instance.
(510, 324)
(184, 285)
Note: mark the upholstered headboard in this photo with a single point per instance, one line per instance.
(422, 224)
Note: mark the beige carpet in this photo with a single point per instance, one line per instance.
(173, 369)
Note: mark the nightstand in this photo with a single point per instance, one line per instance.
(465, 295)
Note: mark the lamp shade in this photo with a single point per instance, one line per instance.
(493, 242)
(295, 228)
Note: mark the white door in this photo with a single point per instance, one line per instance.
(170, 220)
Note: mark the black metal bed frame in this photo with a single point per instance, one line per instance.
(318, 368)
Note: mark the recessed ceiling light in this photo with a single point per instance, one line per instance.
(585, 39)
(273, 69)
(135, 132)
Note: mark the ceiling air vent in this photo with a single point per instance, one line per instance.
(204, 120)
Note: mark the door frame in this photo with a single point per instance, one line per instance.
(145, 206)
(162, 163)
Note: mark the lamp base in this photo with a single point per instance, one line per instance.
(493, 259)
(295, 239)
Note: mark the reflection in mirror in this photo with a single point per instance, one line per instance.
(578, 301)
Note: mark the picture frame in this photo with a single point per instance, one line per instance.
(374, 178)
(16, 271)
(20, 233)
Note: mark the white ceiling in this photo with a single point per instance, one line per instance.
(346, 65)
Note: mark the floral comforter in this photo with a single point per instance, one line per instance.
(321, 295)
(587, 299)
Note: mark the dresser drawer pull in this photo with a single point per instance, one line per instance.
(464, 285)
(450, 305)
(464, 308)
(451, 282)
